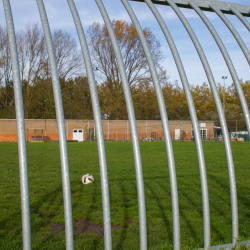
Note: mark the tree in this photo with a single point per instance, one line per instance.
(75, 95)
(145, 102)
(76, 98)
(112, 105)
(33, 63)
(175, 101)
(7, 101)
(130, 46)
(31, 55)
(204, 102)
(133, 57)
(4, 55)
(68, 56)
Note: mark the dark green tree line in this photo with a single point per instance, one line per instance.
(37, 84)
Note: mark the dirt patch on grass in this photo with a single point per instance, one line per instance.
(56, 228)
(36, 211)
(86, 226)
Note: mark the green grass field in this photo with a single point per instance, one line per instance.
(46, 198)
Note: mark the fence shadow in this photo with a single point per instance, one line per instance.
(123, 234)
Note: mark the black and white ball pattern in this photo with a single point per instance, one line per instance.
(87, 178)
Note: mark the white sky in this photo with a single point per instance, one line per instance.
(25, 11)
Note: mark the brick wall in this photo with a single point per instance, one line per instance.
(113, 130)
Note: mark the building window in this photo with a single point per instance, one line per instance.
(203, 134)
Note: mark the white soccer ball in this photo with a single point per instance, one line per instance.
(87, 178)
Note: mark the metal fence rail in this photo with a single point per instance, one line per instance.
(220, 8)
(133, 127)
(98, 125)
(23, 165)
(61, 128)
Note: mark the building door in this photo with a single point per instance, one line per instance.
(78, 135)
(177, 134)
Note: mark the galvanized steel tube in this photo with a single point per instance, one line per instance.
(61, 128)
(232, 30)
(133, 127)
(241, 17)
(196, 129)
(229, 157)
(98, 125)
(165, 123)
(23, 164)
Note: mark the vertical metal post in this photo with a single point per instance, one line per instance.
(45, 117)
(224, 91)
(97, 126)
(133, 128)
(227, 145)
(88, 130)
(236, 125)
(166, 129)
(108, 130)
(127, 131)
(209, 136)
(181, 128)
(67, 129)
(61, 129)
(23, 164)
(146, 129)
(196, 129)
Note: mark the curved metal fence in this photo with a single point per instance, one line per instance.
(220, 8)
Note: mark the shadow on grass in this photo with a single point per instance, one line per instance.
(243, 199)
(225, 211)
(11, 232)
(123, 234)
(161, 207)
(225, 188)
(199, 209)
(96, 240)
(35, 207)
(38, 222)
(185, 218)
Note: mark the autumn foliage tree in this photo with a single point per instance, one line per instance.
(131, 49)
(133, 57)
(204, 102)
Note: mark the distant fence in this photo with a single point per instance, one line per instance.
(119, 130)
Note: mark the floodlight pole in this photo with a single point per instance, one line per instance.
(224, 79)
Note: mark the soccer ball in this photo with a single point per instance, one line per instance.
(87, 178)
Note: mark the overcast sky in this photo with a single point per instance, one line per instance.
(25, 11)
